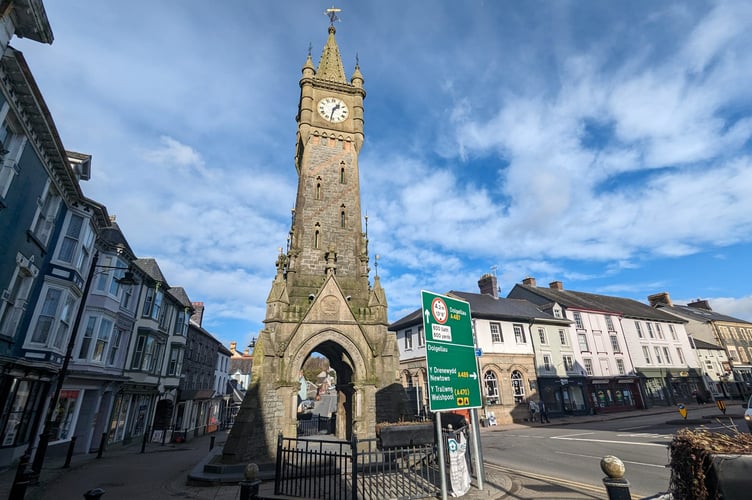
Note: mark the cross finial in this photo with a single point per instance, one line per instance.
(332, 13)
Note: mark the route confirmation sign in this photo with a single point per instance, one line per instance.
(453, 382)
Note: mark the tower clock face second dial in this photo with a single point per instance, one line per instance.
(333, 109)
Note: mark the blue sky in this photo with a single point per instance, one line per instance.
(603, 144)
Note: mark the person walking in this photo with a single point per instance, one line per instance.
(543, 411)
(533, 410)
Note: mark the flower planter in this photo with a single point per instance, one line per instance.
(729, 475)
(395, 436)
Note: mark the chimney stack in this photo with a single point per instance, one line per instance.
(556, 285)
(660, 299)
(529, 281)
(198, 315)
(488, 285)
(700, 304)
(233, 347)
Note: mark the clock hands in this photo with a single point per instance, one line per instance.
(335, 108)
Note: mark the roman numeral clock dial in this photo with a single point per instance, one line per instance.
(333, 109)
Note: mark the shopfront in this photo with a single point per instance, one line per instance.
(615, 394)
(563, 395)
(666, 387)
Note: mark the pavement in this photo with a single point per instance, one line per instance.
(162, 471)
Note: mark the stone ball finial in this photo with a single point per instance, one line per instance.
(251, 472)
(613, 467)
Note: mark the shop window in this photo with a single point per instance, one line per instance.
(518, 387)
(19, 411)
(491, 384)
(64, 412)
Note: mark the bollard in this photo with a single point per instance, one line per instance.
(20, 481)
(616, 486)
(249, 488)
(94, 494)
(211, 442)
(143, 441)
(721, 405)
(69, 455)
(102, 443)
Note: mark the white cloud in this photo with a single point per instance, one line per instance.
(538, 139)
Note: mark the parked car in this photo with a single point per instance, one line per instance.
(748, 414)
(305, 406)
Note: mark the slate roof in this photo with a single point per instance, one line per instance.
(702, 315)
(151, 268)
(486, 307)
(628, 308)
(179, 294)
(701, 344)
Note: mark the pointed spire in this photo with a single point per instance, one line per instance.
(330, 65)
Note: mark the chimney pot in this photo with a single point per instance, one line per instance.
(700, 304)
(660, 299)
(488, 285)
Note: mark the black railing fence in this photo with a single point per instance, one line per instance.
(359, 469)
(315, 424)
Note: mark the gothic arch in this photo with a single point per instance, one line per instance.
(328, 338)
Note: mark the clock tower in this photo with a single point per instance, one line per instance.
(322, 299)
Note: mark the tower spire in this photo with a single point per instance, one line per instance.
(330, 66)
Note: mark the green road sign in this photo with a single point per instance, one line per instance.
(453, 382)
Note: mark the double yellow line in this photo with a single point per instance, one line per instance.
(597, 491)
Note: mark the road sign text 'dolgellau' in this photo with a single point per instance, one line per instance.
(453, 381)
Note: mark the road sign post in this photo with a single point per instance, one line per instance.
(453, 381)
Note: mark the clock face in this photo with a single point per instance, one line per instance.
(333, 109)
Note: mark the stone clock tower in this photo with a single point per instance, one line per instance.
(322, 300)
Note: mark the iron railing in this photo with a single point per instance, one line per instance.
(314, 425)
(359, 469)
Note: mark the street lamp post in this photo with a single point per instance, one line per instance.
(44, 438)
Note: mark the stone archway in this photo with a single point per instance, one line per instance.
(348, 362)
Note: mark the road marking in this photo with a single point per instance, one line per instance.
(599, 458)
(632, 428)
(646, 435)
(609, 441)
(597, 491)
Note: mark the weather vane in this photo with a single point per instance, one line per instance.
(332, 13)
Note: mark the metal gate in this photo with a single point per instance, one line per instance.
(356, 470)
